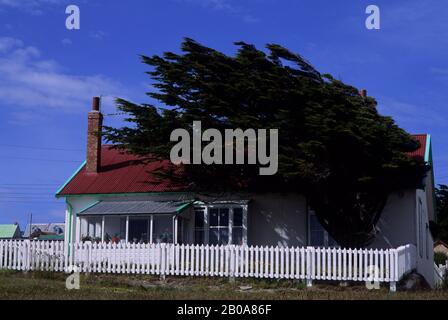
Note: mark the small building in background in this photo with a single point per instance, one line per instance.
(9, 231)
(45, 231)
(441, 247)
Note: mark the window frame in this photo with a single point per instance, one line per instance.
(206, 228)
(420, 226)
(326, 235)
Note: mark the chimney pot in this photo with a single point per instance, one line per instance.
(96, 104)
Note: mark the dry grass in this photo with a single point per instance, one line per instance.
(38, 285)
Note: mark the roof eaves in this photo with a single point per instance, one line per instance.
(181, 208)
(126, 194)
(91, 206)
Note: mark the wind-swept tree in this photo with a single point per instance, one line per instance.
(334, 147)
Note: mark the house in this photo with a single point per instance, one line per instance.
(9, 231)
(115, 197)
(45, 231)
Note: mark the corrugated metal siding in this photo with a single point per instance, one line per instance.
(135, 207)
(419, 154)
(126, 173)
(7, 231)
(121, 173)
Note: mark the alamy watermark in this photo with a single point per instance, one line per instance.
(372, 274)
(73, 280)
(228, 150)
(373, 21)
(73, 21)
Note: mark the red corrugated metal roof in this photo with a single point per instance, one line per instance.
(126, 173)
(121, 173)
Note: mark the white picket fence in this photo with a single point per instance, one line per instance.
(305, 263)
(439, 273)
(32, 255)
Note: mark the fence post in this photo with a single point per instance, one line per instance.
(394, 271)
(308, 255)
(1, 254)
(231, 259)
(162, 265)
(28, 255)
(393, 286)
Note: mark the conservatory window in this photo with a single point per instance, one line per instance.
(221, 225)
(162, 229)
(199, 230)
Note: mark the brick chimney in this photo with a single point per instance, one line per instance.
(94, 128)
(363, 93)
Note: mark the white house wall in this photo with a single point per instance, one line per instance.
(277, 219)
(425, 256)
(397, 223)
(429, 187)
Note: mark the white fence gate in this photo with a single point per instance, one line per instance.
(304, 263)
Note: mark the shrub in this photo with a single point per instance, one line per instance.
(445, 281)
(440, 258)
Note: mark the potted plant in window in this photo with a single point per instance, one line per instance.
(115, 239)
(86, 239)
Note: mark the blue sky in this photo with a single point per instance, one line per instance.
(48, 74)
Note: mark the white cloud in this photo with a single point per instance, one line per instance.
(31, 6)
(416, 24)
(214, 4)
(7, 44)
(33, 86)
(66, 42)
(227, 6)
(98, 35)
(410, 115)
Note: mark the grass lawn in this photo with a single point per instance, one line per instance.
(43, 285)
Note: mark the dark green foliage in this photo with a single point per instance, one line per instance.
(334, 147)
(440, 258)
(440, 229)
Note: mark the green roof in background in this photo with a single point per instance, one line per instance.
(51, 237)
(7, 231)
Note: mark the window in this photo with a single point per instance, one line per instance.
(139, 230)
(199, 225)
(162, 229)
(318, 236)
(92, 228)
(427, 241)
(237, 228)
(220, 225)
